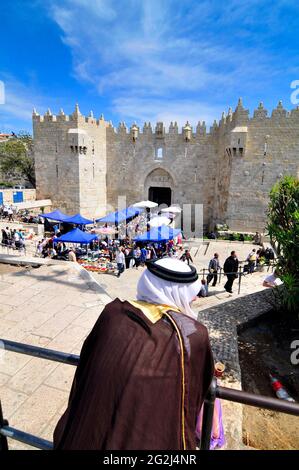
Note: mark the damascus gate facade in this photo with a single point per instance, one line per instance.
(83, 163)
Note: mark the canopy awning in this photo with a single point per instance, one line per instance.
(159, 221)
(146, 204)
(160, 234)
(55, 215)
(120, 216)
(77, 219)
(172, 209)
(76, 236)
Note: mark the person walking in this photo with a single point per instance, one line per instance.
(5, 236)
(137, 256)
(251, 258)
(186, 257)
(10, 214)
(143, 256)
(230, 269)
(257, 238)
(214, 267)
(127, 252)
(120, 260)
(204, 289)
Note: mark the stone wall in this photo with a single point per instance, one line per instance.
(270, 150)
(84, 164)
(187, 167)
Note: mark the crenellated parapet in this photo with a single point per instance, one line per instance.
(294, 114)
(147, 129)
(260, 112)
(173, 128)
(201, 128)
(75, 118)
(261, 117)
(230, 120)
(279, 112)
(214, 128)
(241, 115)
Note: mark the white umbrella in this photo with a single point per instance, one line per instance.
(146, 204)
(172, 209)
(159, 221)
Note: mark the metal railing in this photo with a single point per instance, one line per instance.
(204, 273)
(214, 392)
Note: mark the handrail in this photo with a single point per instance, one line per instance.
(42, 353)
(224, 393)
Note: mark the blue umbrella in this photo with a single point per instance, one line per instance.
(158, 234)
(120, 216)
(77, 219)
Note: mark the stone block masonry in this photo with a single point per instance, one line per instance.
(84, 164)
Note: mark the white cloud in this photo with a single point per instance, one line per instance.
(144, 110)
(138, 51)
(20, 99)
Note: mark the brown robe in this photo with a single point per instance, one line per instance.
(127, 391)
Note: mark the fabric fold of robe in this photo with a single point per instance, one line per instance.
(127, 389)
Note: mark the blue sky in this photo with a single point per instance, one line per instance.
(146, 59)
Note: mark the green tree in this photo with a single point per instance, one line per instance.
(283, 228)
(16, 157)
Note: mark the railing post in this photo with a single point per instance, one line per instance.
(3, 439)
(220, 272)
(207, 419)
(240, 276)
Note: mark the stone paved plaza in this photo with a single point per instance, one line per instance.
(55, 306)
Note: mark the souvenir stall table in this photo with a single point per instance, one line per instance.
(99, 262)
(96, 261)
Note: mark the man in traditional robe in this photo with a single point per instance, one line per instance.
(144, 369)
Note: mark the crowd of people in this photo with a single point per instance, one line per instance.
(8, 212)
(127, 254)
(131, 255)
(14, 238)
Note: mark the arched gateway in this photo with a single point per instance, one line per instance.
(159, 186)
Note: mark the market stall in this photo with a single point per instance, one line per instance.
(96, 260)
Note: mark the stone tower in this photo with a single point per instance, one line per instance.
(70, 161)
(254, 153)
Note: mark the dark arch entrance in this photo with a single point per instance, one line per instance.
(160, 195)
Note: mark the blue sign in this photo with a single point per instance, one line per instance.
(18, 196)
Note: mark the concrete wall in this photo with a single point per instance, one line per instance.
(28, 195)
